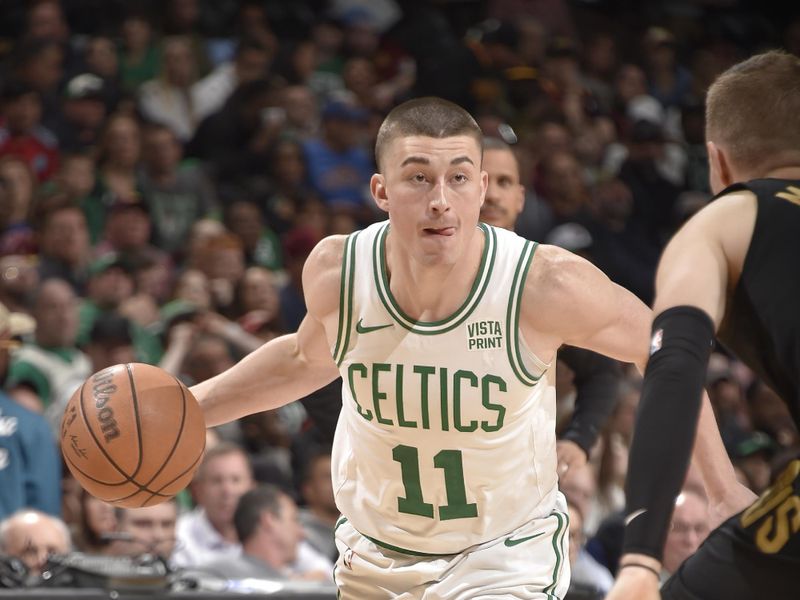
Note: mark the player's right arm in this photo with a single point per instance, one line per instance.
(289, 367)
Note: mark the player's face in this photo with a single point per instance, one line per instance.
(505, 195)
(433, 190)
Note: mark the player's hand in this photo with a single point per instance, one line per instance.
(634, 583)
(570, 456)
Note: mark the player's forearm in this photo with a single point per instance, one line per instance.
(724, 491)
(272, 376)
(596, 380)
(665, 425)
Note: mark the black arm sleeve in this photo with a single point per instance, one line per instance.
(596, 381)
(665, 424)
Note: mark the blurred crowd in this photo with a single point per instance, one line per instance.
(166, 167)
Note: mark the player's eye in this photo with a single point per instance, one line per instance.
(418, 177)
(460, 178)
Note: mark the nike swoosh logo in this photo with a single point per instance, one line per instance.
(368, 328)
(513, 542)
(633, 515)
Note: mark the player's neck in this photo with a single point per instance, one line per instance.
(432, 292)
(792, 172)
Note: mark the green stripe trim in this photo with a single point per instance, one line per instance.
(346, 295)
(341, 521)
(401, 550)
(513, 312)
(342, 289)
(476, 293)
(558, 548)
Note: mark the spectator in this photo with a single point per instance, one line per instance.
(84, 113)
(208, 356)
(139, 57)
(76, 181)
(250, 63)
(302, 114)
(30, 468)
(339, 169)
(297, 246)
(192, 287)
(669, 82)
(289, 192)
(110, 342)
(208, 532)
(46, 371)
(19, 279)
(258, 303)
(261, 245)
(17, 190)
(102, 61)
(177, 194)
(150, 529)
(109, 285)
(39, 64)
(579, 486)
(63, 242)
(119, 152)
(654, 195)
(96, 523)
(620, 245)
(22, 133)
(587, 576)
(127, 233)
(170, 100)
(32, 536)
(690, 526)
(222, 262)
(320, 513)
(235, 140)
(269, 531)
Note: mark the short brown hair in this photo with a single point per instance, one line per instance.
(428, 116)
(753, 111)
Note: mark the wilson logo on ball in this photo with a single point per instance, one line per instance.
(102, 391)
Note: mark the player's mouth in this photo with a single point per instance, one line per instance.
(440, 231)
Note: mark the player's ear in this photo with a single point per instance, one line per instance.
(719, 168)
(377, 185)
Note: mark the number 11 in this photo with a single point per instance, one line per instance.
(451, 463)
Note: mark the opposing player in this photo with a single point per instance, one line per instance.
(732, 270)
(444, 331)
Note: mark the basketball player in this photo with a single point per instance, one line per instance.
(444, 331)
(732, 270)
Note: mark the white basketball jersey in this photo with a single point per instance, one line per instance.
(446, 437)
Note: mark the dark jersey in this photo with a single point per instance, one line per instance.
(756, 553)
(762, 321)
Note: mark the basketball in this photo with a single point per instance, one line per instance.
(133, 435)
